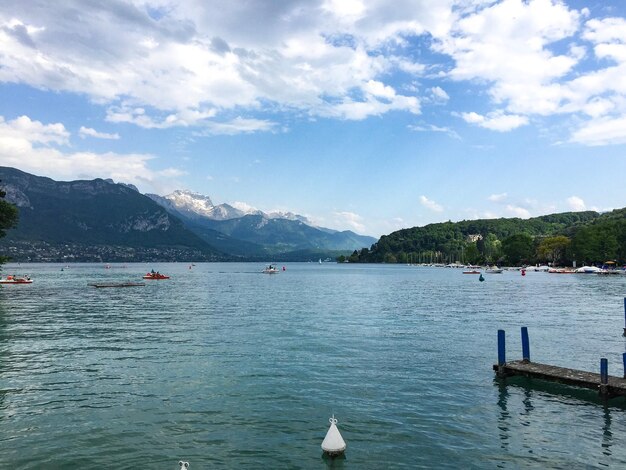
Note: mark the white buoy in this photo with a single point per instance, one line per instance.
(333, 443)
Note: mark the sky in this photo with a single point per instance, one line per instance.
(362, 115)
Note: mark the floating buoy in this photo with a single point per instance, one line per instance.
(183, 465)
(523, 272)
(333, 444)
(481, 278)
(284, 268)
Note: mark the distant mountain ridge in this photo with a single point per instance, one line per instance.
(263, 233)
(193, 204)
(99, 220)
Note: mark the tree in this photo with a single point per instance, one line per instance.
(553, 248)
(472, 254)
(390, 258)
(8, 218)
(518, 248)
(493, 248)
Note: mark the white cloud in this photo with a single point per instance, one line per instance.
(194, 60)
(139, 117)
(517, 211)
(497, 197)
(506, 44)
(431, 205)
(439, 94)
(181, 63)
(576, 204)
(14, 133)
(432, 128)
(606, 31)
(240, 125)
(349, 219)
(352, 9)
(496, 121)
(32, 147)
(88, 131)
(244, 207)
(601, 131)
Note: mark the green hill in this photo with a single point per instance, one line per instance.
(585, 237)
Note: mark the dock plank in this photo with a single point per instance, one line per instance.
(616, 386)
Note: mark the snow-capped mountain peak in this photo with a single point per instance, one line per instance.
(191, 202)
(197, 204)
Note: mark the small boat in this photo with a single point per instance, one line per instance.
(270, 269)
(472, 270)
(588, 270)
(157, 276)
(117, 284)
(16, 280)
(494, 270)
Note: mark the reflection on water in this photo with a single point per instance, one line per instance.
(607, 435)
(512, 419)
(503, 416)
(335, 462)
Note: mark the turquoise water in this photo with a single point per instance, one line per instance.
(225, 367)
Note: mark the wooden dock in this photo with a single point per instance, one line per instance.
(615, 386)
(607, 386)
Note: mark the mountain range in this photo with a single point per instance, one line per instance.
(89, 220)
(262, 234)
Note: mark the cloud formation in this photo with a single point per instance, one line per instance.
(430, 204)
(43, 149)
(576, 204)
(167, 63)
(350, 219)
(89, 132)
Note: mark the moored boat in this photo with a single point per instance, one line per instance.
(270, 269)
(472, 270)
(588, 270)
(155, 275)
(13, 279)
(494, 270)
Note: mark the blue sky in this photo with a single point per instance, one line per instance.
(354, 114)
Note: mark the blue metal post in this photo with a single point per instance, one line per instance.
(501, 348)
(624, 359)
(525, 345)
(624, 334)
(604, 371)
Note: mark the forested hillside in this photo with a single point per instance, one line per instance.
(585, 237)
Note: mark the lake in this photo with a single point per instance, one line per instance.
(225, 367)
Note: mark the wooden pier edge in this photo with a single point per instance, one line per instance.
(615, 386)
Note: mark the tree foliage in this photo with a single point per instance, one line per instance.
(552, 249)
(586, 237)
(8, 218)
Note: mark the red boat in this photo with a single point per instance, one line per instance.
(16, 280)
(156, 276)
